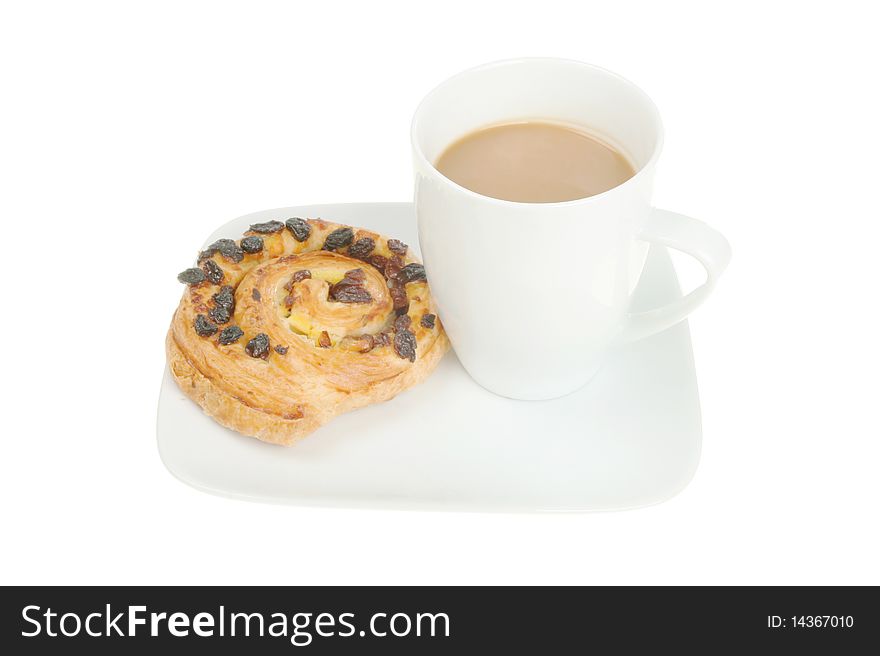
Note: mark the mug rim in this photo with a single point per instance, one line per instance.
(640, 173)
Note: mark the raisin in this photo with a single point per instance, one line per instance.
(324, 340)
(213, 271)
(405, 345)
(391, 270)
(428, 320)
(379, 262)
(230, 335)
(252, 244)
(255, 294)
(268, 227)
(402, 323)
(298, 276)
(397, 246)
(349, 293)
(226, 247)
(399, 298)
(225, 297)
(351, 288)
(339, 238)
(192, 276)
(362, 247)
(204, 328)
(381, 339)
(281, 350)
(299, 228)
(220, 314)
(258, 347)
(412, 273)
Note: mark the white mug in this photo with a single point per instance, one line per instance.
(532, 295)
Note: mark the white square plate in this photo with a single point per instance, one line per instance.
(630, 438)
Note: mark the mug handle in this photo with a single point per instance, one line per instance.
(698, 240)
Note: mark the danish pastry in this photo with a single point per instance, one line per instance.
(298, 322)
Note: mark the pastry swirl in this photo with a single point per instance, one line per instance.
(299, 322)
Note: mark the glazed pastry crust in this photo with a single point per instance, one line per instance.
(284, 396)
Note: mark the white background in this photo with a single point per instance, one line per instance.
(131, 130)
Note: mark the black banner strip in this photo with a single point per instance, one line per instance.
(436, 620)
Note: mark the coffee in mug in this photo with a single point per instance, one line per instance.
(534, 162)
